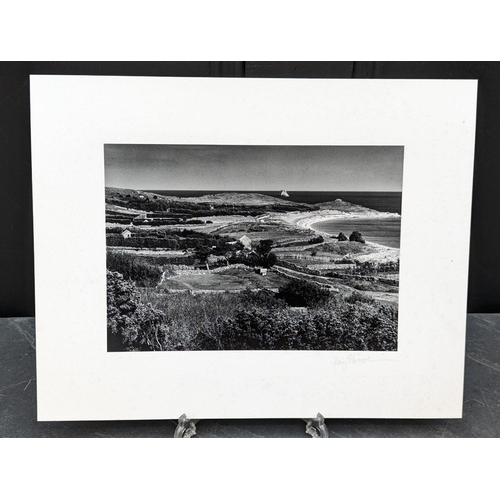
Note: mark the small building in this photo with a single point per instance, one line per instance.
(141, 219)
(262, 271)
(246, 242)
(126, 234)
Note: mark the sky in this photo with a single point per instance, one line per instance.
(254, 168)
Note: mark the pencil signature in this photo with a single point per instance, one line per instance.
(350, 359)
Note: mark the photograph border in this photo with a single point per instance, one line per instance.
(339, 278)
(77, 379)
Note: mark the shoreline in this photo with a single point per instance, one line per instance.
(380, 254)
(305, 220)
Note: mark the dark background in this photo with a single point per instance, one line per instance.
(16, 221)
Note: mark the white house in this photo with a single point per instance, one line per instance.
(126, 234)
(246, 242)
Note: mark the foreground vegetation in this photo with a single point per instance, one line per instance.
(301, 316)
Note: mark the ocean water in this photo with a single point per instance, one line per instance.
(382, 231)
(381, 201)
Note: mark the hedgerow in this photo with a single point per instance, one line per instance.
(134, 268)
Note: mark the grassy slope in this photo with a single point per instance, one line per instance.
(241, 199)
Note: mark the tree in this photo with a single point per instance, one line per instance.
(342, 237)
(136, 325)
(134, 268)
(270, 259)
(356, 236)
(264, 247)
(202, 252)
(263, 250)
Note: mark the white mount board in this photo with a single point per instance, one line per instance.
(73, 117)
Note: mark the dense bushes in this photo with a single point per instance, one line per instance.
(154, 233)
(261, 298)
(174, 240)
(249, 320)
(378, 267)
(134, 268)
(367, 268)
(302, 293)
(356, 326)
(132, 242)
(132, 325)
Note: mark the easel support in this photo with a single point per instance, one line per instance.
(315, 427)
(186, 428)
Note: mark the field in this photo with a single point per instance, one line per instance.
(244, 272)
(232, 279)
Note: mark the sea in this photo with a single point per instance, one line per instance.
(382, 231)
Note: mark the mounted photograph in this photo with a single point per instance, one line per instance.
(227, 247)
(250, 248)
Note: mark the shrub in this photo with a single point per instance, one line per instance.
(134, 325)
(317, 239)
(357, 297)
(356, 236)
(342, 237)
(134, 268)
(302, 293)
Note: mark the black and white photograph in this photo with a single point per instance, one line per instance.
(233, 247)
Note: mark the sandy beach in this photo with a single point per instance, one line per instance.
(305, 220)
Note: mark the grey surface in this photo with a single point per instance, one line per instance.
(481, 417)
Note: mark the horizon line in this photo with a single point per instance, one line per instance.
(266, 190)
